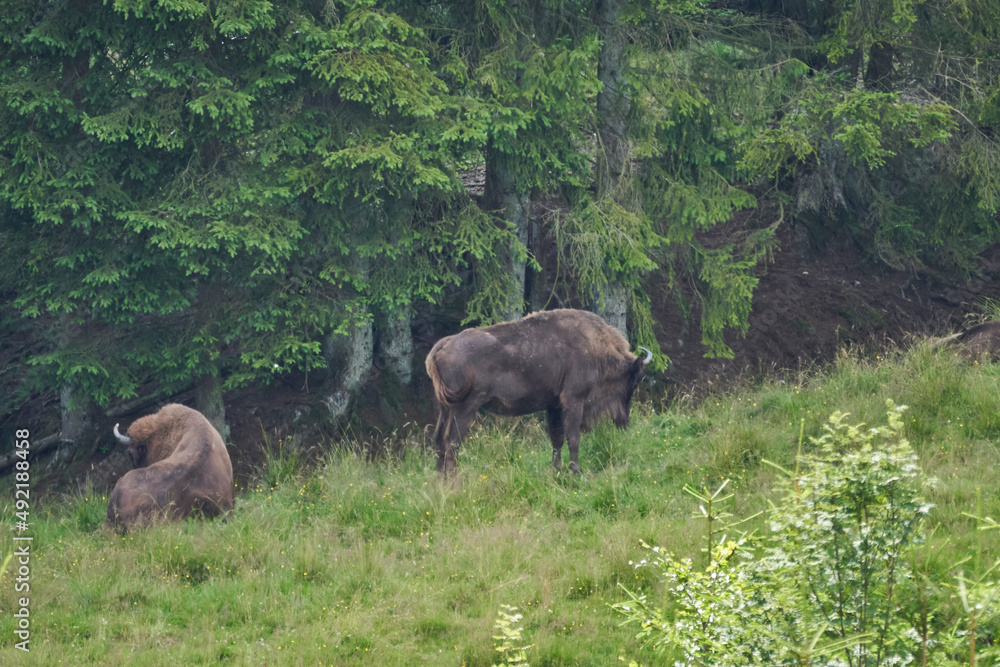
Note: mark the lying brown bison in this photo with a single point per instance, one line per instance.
(980, 343)
(569, 363)
(181, 466)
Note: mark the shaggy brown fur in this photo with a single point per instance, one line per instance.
(181, 466)
(980, 343)
(569, 363)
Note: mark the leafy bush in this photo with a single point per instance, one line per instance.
(822, 587)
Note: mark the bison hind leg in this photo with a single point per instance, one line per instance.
(440, 435)
(453, 423)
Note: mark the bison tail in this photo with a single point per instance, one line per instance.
(445, 395)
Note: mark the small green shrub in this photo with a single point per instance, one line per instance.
(822, 588)
(510, 637)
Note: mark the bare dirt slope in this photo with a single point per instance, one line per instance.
(810, 302)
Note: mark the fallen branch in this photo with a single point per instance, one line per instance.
(47, 443)
(38, 447)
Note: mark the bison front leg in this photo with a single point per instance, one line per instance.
(554, 419)
(572, 421)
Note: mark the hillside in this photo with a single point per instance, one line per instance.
(810, 301)
(374, 563)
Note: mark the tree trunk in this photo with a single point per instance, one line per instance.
(536, 284)
(356, 353)
(78, 412)
(75, 413)
(397, 345)
(878, 75)
(500, 193)
(853, 61)
(396, 339)
(613, 151)
(614, 309)
(208, 401)
(612, 103)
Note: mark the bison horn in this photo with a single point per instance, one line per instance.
(122, 438)
(649, 355)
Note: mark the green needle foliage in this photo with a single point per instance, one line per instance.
(207, 186)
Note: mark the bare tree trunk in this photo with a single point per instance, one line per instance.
(360, 349)
(878, 75)
(397, 345)
(77, 425)
(500, 193)
(613, 309)
(208, 401)
(75, 413)
(357, 354)
(396, 339)
(536, 284)
(612, 103)
(78, 411)
(613, 152)
(853, 61)
(208, 386)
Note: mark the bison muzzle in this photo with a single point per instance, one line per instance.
(568, 363)
(181, 467)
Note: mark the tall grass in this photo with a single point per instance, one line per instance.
(376, 563)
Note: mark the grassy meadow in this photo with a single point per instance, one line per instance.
(377, 563)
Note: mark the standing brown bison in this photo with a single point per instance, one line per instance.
(569, 363)
(180, 466)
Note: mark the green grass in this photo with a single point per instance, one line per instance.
(353, 562)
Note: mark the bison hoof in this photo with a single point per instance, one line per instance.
(574, 468)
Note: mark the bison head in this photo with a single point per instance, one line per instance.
(136, 451)
(633, 376)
